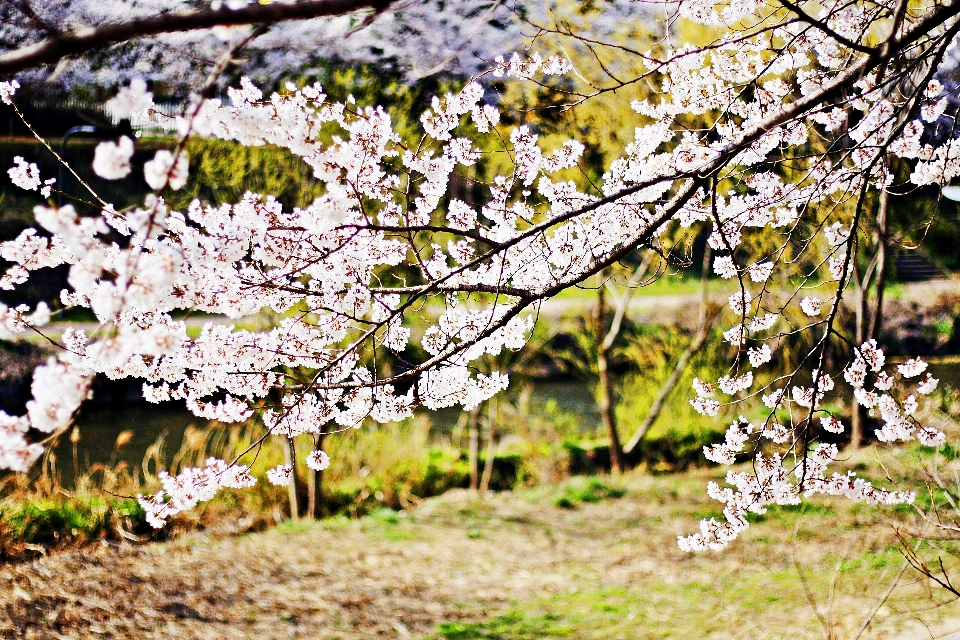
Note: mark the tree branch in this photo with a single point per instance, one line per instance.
(81, 41)
(823, 26)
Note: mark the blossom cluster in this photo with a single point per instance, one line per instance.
(7, 90)
(772, 485)
(57, 390)
(191, 486)
(237, 259)
(778, 481)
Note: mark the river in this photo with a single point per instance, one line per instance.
(98, 429)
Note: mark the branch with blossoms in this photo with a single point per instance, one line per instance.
(73, 43)
(798, 119)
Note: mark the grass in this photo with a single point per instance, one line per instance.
(677, 284)
(660, 611)
(847, 554)
(522, 565)
(586, 490)
(375, 471)
(47, 520)
(618, 571)
(76, 520)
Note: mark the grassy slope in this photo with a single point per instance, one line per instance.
(573, 561)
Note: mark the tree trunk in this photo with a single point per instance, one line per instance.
(865, 330)
(856, 425)
(608, 414)
(883, 241)
(292, 487)
(315, 487)
(491, 448)
(859, 331)
(474, 452)
(668, 386)
(703, 330)
(606, 400)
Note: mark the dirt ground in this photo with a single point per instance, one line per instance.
(453, 558)
(348, 582)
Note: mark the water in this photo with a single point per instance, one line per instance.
(99, 428)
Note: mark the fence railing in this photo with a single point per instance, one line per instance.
(161, 119)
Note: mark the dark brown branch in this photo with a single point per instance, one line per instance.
(724, 156)
(27, 9)
(504, 290)
(74, 43)
(823, 26)
(466, 233)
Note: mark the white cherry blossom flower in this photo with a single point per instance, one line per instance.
(912, 368)
(7, 89)
(111, 160)
(811, 306)
(280, 475)
(162, 171)
(759, 356)
(130, 101)
(927, 385)
(318, 460)
(24, 175)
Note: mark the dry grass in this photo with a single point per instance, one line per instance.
(390, 466)
(511, 566)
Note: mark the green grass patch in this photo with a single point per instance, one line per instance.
(586, 490)
(681, 610)
(296, 527)
(67, 521)
(388, 525)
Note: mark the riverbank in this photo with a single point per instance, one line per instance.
(590, 558)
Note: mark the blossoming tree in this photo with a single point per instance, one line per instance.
(417, 39)
(783, 123)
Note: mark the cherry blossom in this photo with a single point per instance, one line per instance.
(912, 368)
(280, 475)
(130, 101)
(393, 240)
(111, 160)
(162, 170)
(318, 460)
(759, 356)
(724, 267)
(927, 385)
(7, 89)
(25, 175)
(760, 272)
(192, 486)
(811, 306)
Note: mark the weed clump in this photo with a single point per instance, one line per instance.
(586, 490)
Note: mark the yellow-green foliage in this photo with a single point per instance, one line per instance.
(222, 171)
(605, 123)
(376, 465)
(391, 464)
(38, 513)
